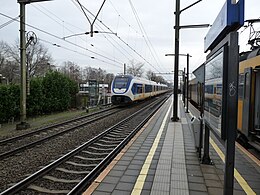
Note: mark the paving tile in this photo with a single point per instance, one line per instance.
(105, 187)
(179, 192)
(146, 192)
(193, 167)
(195, 179)
(123, 162)
(116, 173)
(213, 183)
(149, 178)
(129, 178)
(147, 185)
(194, 173)
(126, 158)
(163, 172)
(135, 167)
(121, 192)
(132, 172)
(198, 193)
(151, 172)
(111, 179)
(161, 179)
(125, 186)
(179, 185)
(100, 193)
(238, 192)
(197, 187)
(192, 162)
(158, 192)
(139, 158)
(160, 186)
(215, 191)
(120, 167)
(208, 169)
(137, 162)
(211, 176)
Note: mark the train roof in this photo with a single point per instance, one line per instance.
(249, 54)
(141, 79)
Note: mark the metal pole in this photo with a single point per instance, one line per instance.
(124, 69)
(23, 124)
(184, 88)
(201, 116)
(206, 159)
(231, 101)
(176, 61)
(187, 106)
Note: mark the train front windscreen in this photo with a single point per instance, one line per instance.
(121, 82)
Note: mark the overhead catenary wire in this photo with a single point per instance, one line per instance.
(77, 52)
(8, 22)
(68, 28)
(111, 37)
(57, 37)
(121, 40)
(145, 36)
(123, 19)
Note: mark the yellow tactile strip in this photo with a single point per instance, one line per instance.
(143, 174)
(242, 182)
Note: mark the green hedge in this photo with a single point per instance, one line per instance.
(53, 93)
(9, 102)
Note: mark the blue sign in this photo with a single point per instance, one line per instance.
(230, 18)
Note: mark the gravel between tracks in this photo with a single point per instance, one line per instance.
(15, 168)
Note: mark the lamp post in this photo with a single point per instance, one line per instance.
(177, 28)
(187, 86)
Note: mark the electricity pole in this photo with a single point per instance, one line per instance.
(23, 124)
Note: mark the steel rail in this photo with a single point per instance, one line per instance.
(100, 167)
(12, 139)
(30, 179)
(24, 147)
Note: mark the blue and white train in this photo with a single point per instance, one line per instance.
(126, 89)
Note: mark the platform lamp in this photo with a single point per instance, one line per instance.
(177, 28)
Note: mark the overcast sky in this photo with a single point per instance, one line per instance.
(61, 18)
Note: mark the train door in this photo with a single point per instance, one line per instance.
(246, 101)
(257, 100)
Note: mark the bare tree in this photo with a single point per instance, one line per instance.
(9, 67)
(72, 70)
(94, 73)
(135, 68)
(149, 75)
(38, 60)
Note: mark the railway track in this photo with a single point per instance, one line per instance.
(14, 145)
(71, 173)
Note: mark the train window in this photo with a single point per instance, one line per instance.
(209, 89)
(134, 89)
(240, 86)
(247, 86)
(219, 89)
(139, 88)
(120, 82)
(148, 88)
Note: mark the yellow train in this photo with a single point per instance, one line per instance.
(249, 96)
(248, 123)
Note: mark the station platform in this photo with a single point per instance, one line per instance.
(162, 159)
